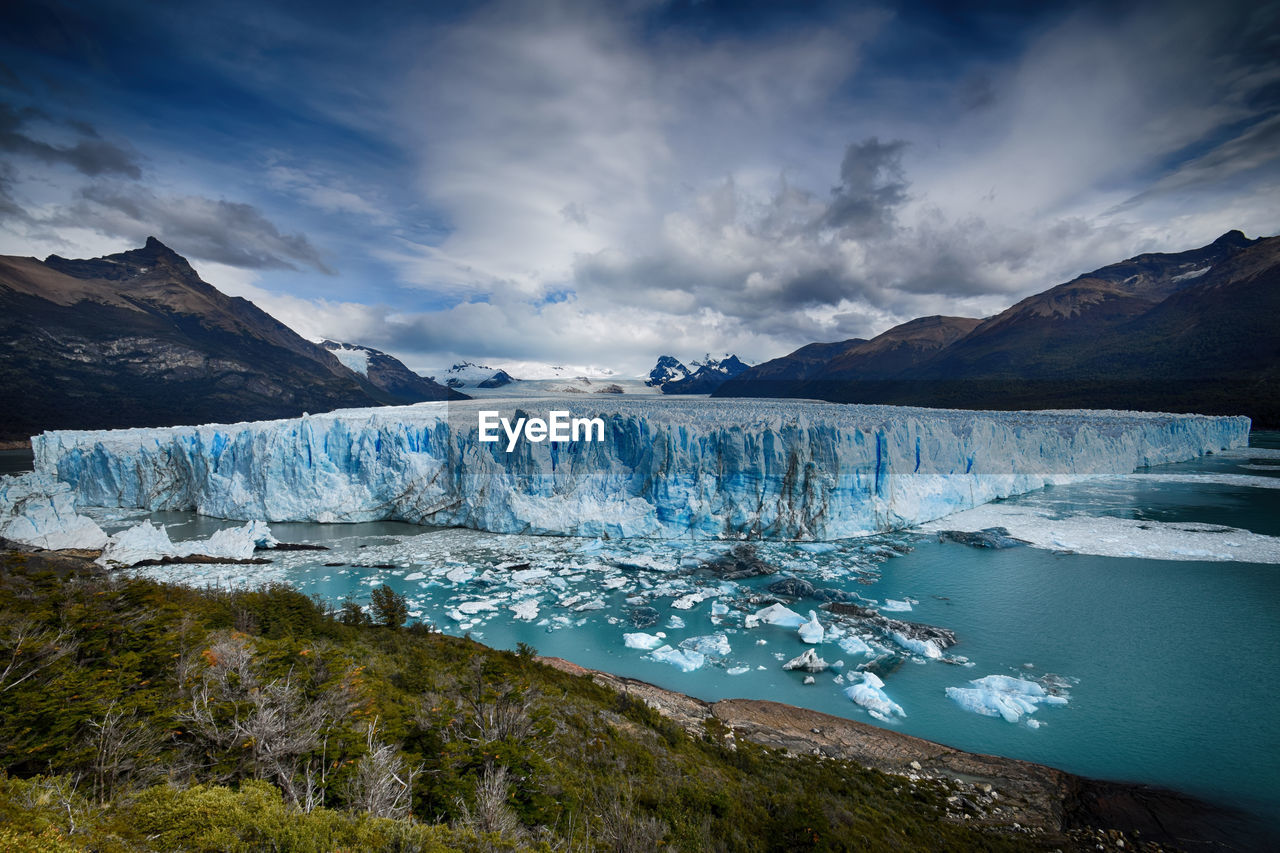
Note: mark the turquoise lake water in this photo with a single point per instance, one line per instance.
(1169, 666)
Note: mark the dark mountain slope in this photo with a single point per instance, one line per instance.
(882, 357)
(138, 339)
(1187, 331)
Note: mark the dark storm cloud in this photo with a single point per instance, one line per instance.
(872, 188)
(9, 207)
(225, 232)
(699, 175)
(90, 155)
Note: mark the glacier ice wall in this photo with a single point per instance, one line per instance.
(667, 468)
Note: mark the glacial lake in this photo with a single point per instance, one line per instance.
(1163, 641)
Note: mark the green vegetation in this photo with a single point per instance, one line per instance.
(138, 716)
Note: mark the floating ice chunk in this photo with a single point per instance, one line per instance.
(1003, 696)
(529, 575)
(869, 693)
(233, 543)
(693, 599)
(414, 576)
(855, 645)
(146, 542)
(136, 544)
(817, 547)
(473, 607)
(675, 622)
(738, 670)
(711, 645)
(783, 617)
(719, 609)
(1108, 536)
(808, 661)
(526, 610)
(895, 605)
(811, 631)
(462, 574)
(928, 648)
(682, 659)
(641, 640)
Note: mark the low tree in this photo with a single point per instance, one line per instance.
(352, 613)
(389, 607)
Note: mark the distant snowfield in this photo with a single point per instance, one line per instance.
(568, 387)
(355, 360)
(668, 469)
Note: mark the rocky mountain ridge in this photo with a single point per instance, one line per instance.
(139, 339)
(1184, 331)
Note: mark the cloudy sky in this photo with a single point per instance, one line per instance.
(596, 183)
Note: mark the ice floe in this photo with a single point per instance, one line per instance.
(869, 693)
(711, 645)
(780, 615)
(144, 542)
(682, 659)
(1004, 696)
(641, 640)
(1108, 536)
(811, 631)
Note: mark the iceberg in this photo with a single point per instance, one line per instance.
(809, 662)
(927, 648)
(682, 659)
(144, 542)
(711, 645)
(526, 610)
(693, 469)
(1003, 696)
(811, 631)
(869, 693)
(777, 614)
(641, 640)
(855, 645)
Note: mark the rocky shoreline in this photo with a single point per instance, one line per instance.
(1058, 808)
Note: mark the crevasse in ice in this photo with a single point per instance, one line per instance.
(666, 468)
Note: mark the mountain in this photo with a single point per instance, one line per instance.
(384, 377)
(709, 376)
(881, 357)
(668, 369)
(1186, 331)
(138, 339)
(470, 375)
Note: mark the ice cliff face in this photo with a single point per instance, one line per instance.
(666, 469)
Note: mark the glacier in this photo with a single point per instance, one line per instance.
(667, 469)
(38, 511)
